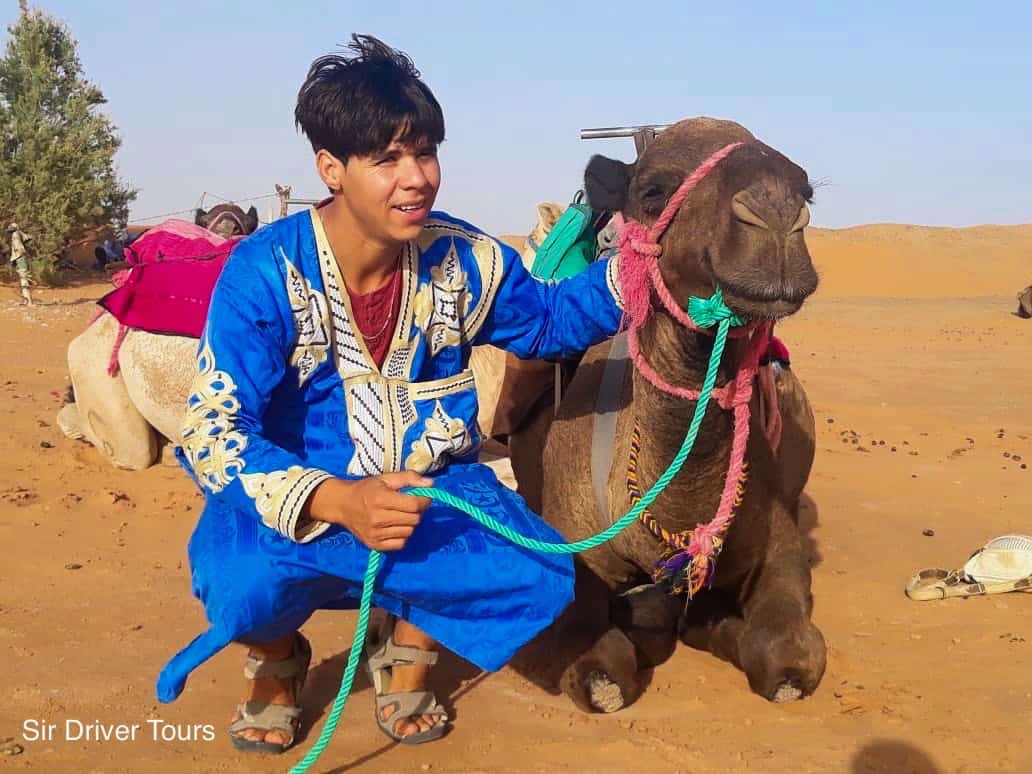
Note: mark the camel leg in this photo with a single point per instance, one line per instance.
(605, 678)
(774, 641)
(649, 616)
(798, 436)
(598, 662)
(103, 412)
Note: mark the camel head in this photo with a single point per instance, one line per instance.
(740, 229)
(548, 215)
(228, 220)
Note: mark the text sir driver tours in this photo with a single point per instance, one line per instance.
(151, 729)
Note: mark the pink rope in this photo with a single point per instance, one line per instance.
(112, 368)
(674, 205)
(639, 275)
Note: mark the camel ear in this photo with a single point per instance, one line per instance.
(201, 218)
(606, 182)
(252, 220)
(549, 214)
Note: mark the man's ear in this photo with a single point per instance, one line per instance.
(330, 169)
(606, 183)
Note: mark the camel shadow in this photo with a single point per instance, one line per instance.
(893, 757)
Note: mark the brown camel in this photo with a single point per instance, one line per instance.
(740, 229)
(1025, 303)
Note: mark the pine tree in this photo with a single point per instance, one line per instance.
(57, 173)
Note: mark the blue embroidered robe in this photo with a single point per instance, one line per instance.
(286, 396)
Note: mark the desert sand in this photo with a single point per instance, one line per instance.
(919, 375)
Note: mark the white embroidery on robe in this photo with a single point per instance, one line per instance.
(279, 496)
(443, 437)
(311, 316)
(366, 426)
(613, 280)
(210, 442)
(441, 305)
(487, 255)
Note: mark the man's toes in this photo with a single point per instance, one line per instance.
(406, 727)
(276, 737)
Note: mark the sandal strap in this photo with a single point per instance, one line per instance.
(391, 654)
(255, 668)
(409, 704)
(266, 717)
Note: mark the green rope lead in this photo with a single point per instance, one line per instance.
(375, 557)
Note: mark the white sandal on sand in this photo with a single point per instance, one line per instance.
(1002, 565)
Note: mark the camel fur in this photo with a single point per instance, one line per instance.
(740, 229)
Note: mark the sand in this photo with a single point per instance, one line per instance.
(919, 376)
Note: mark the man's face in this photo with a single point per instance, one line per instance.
(390, 194)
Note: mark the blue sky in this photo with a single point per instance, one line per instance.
(914, 112)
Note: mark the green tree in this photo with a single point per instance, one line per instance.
(57, 171)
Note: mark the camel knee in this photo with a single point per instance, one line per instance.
(69, 422)
(126, 447)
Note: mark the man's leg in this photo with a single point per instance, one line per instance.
(411, 678)
(24, 280)
(270, 690)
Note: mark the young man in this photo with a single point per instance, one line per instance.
(333, 372)
(21, 261)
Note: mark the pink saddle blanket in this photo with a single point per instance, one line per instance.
(172, 272)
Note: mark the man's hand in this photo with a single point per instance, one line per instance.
(372, 509)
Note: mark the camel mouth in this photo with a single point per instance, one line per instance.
(761, 306)
(756, 299)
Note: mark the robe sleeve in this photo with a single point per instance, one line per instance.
(535, 319)
(242, 357)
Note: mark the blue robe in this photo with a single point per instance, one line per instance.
(287, 396)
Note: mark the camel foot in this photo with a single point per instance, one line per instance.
(784, 665)
(788, 691)
(604, 695)
(606, 678)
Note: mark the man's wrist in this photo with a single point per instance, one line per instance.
(323, 502)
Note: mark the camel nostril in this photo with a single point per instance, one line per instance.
(745, 213)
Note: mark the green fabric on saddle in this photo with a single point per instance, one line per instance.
(569, 247)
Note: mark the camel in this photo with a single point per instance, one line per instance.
(127, 416)
(133, 416)
(740, 229)
(1025, 303)
(227, 220)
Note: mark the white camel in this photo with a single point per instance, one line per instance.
(131, 416)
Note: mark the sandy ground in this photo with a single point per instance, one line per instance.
(919, 375)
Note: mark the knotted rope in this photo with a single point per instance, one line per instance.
(690, 564)
(712, 311)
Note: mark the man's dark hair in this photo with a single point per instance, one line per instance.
(355, 105)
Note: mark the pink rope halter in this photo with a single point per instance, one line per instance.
(639, 274)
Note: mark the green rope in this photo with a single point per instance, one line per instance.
(712, 311)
